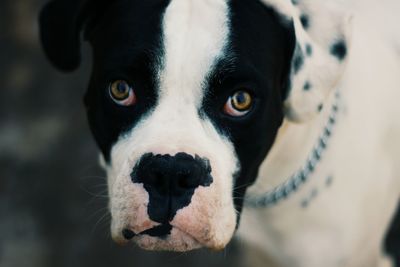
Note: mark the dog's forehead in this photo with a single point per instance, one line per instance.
(194, 36)
(180, 33)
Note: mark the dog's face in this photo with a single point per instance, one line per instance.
(201, 101)
(185, 101)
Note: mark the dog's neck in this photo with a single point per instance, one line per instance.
(291, 153)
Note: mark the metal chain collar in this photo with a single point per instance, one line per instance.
(300, 177)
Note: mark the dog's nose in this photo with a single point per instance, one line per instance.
(170, 182)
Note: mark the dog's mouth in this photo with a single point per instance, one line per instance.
(163, 237)
(160, 231)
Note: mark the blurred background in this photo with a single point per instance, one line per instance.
(52, 194)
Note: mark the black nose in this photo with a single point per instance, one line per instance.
(170, 182)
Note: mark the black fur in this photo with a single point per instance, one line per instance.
(309, 50)
(127, 47)
(307, 86)
(298, 62)
(259, 57)
(61, 23)
(305, 21)
(339, 50)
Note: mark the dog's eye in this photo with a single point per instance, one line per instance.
(239, 104)
(122, 93)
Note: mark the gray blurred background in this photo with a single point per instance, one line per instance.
(52, 193)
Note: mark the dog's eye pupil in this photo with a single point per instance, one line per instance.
(238, 104)
(122, 93)
(120, 90)
(241, 100)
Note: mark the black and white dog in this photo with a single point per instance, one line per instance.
(203, 107)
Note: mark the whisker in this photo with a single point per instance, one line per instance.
(96, 195)
(97, 212)
(99, 220)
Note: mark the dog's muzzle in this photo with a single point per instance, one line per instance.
(170, 182)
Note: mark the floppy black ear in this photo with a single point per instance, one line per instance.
(61, 22)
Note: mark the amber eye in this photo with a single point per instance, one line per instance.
(239, 104)
(122, 93)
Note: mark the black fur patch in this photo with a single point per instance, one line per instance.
(307, 86)
(259, 60)
(298, 61)
(329, 181)
(305, 21)
(309, 50)
(392, 242)
(339, 50)
(125, 47)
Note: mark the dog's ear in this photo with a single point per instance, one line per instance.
(323, 38)
(61, 23)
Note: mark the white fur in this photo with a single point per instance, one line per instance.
(195, 33)
(321, 70)
(344, 225)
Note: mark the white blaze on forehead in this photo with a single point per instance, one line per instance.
(194, 34)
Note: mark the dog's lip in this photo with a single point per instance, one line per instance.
(153, 233)
(177, 241)
(160, 231)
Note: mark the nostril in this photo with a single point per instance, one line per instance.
(128, 234)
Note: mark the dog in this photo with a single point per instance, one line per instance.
(279, 116)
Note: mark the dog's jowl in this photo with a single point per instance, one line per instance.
(190, 101)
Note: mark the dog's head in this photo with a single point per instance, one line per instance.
(185, 101)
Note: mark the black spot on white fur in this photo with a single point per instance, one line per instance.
(305, 21)
(339, 49)
(309, 50)
(307, 86)
(329, 181)
(312, 196)
(298, 61)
